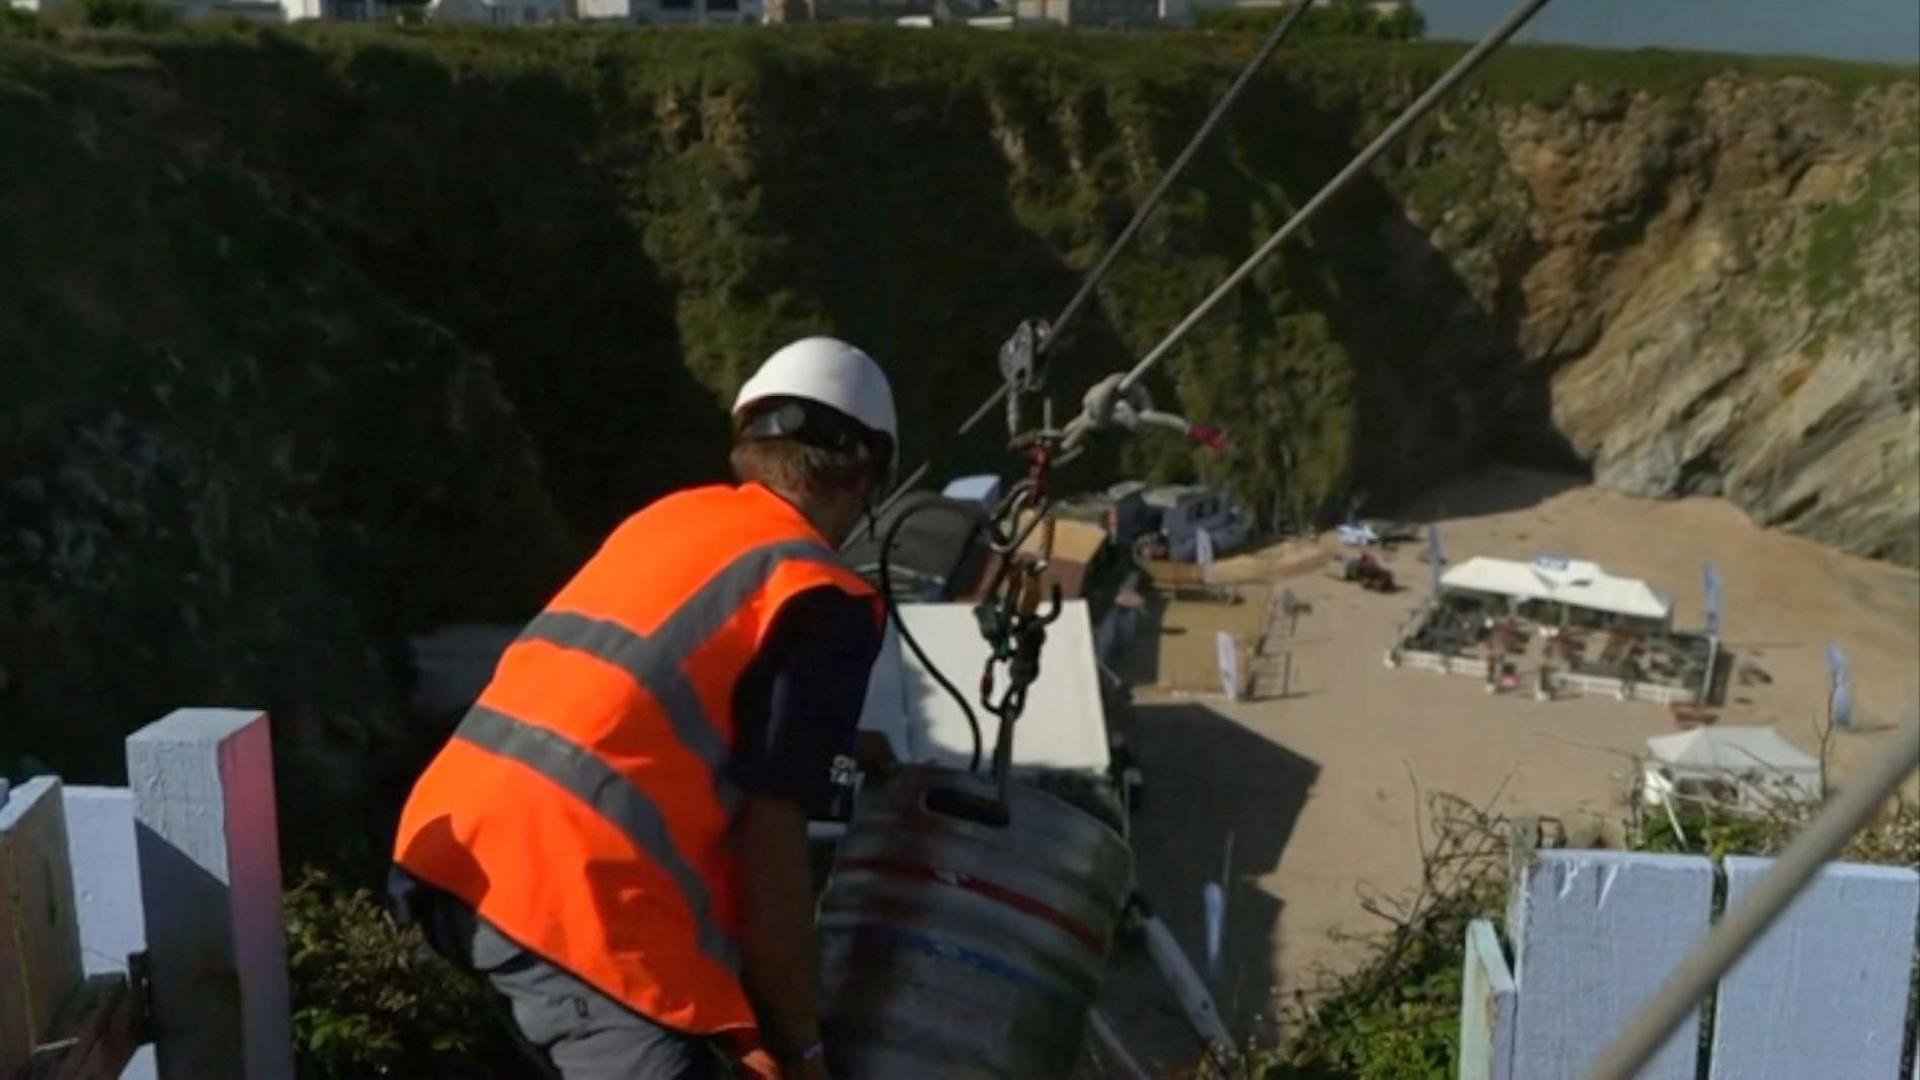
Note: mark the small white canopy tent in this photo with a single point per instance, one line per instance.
(1745, 766)
(1573, 582)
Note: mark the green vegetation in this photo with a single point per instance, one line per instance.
(1827, 266)
(318, 339)
(145, 16)
(1397, 1016)
(1396, 1019)
(1547, 74)
(20, 23)
(238, 471)
(328, 337)
(1832, 260)
(373, 1000)
(1349, 18)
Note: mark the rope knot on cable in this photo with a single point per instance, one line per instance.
(1110, 403)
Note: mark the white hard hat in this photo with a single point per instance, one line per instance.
(831, 372)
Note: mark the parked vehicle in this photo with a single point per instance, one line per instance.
(1366, 570)
(1184, 511)
(1393, 532)
(1357, 534)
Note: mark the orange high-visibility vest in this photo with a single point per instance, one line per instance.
(583, 805)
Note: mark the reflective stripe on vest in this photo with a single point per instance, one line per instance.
(653, 661)
(594, 782)
(570, 809)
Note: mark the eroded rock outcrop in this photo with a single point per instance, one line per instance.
(319, 340)
(1725, 288)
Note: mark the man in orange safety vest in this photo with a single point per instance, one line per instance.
(615, 835)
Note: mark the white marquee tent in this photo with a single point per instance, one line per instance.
(1749, 766)
(1574, 582)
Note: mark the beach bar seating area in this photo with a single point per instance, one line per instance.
(1564, 625)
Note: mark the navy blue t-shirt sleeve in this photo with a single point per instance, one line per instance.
(797, 705)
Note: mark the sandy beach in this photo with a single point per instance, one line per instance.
(1316, 792)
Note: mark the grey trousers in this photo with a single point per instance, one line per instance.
(569, 1029)
(581, 1032)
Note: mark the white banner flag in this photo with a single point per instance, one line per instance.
(1229, 663)
(1203, 553)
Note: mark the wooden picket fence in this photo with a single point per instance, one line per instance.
(1593, 934)
(148, 914)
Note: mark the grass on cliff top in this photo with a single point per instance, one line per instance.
(1546, 74)
(1843, 227)
(1541, 74)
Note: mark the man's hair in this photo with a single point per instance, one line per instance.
(792, 466)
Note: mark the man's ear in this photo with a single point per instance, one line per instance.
(876, 478)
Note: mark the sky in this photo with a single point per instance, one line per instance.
(1882, 30)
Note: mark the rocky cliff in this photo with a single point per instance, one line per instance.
(1723, 289)
(315, 340)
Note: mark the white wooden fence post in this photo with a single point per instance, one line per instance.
(1824, 993)
(1595, 933)
(106, 891)
(1487, 1008)
(39, 942)
(209, 852)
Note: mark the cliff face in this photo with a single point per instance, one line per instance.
(231, 466)
(1724, 289)
(317, 340)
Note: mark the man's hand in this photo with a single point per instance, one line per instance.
(755, 1063)
(758, 1064)
(751, 1060)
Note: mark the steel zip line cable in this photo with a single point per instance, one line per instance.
(1261, 53)
(1460, 70)
(1258, 60)
(1741, 927)
(1465, 66)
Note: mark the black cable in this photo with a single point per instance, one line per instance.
(900, 491)
(906, 635)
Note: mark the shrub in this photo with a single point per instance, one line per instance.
(370, 999)
(18, 23)
(1348, 18)
(145, 16)
(1397, 1016)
